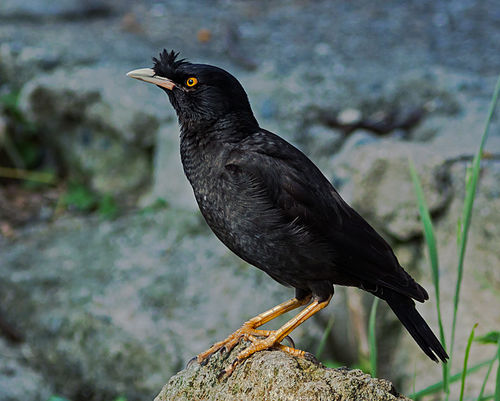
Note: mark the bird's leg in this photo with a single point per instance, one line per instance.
(274, 339)
(248, 329)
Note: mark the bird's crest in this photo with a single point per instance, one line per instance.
(168, 63)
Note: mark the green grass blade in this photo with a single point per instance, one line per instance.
(480, 397)
(324, 338)
(372, 338)
(467, 211)
(497, 385)
(37, 176)
(430, 240)
(436, 387)
(466, 359)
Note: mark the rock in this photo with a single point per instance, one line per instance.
(274, 375)
(349, 117)
(17, 379)
(102, 125)
(320, 141)
(374, 175)
(429, 128)
(66, 9)
(357, 139)
(376, 182)
(169, 180)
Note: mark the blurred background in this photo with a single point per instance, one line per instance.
(110, 281)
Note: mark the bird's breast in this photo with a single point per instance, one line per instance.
(244, 218)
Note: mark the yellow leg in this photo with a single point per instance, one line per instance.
(278, 335)
(249, 327)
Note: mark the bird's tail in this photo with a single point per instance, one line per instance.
(404, 308)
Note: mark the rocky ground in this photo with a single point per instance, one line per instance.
(109, 279)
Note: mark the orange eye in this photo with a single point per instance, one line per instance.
(191, 81)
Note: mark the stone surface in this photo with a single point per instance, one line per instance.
(64, 9)
(276, 376)
(18, 380)
(169, 182)
(101, 125)
(376, 182)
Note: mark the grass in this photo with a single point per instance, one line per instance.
(438, 386)
(486, 377)
(20, 174)
(497, 389)
(372, 338)
(466, 359)
(430, 240)
(472, 177)
(470, 193)
(324, 338)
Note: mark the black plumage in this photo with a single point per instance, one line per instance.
(266, 201)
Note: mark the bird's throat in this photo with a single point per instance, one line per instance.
(230, 128)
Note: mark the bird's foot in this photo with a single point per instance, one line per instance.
(270, 342)
(245, 332)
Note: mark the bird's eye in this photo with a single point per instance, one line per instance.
(191, 82)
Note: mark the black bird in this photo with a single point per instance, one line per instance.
(268, 203)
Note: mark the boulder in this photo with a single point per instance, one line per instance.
(101, 124)
(375, 180)
(169, 181)
(274, 375)
(18, 380)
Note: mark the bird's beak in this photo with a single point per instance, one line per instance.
(148, 75)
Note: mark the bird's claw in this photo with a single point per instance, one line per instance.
(191, 362)
(290, 340)
(225, 373)
(310, 357)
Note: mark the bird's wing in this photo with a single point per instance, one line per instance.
(298, 189)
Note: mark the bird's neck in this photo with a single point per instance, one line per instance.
(231, 128)
(203, 143)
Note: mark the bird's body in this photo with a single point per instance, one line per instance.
(268, 203)
(253, 195)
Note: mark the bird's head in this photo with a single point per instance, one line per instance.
(198, 92)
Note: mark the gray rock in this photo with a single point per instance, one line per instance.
(429, 128)
(376, 182)
(169, 181)
(101, 124)
(375, 179)
(357, 139)
(274, 375)
(320, 141)
(34, 10)
(18, 380)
